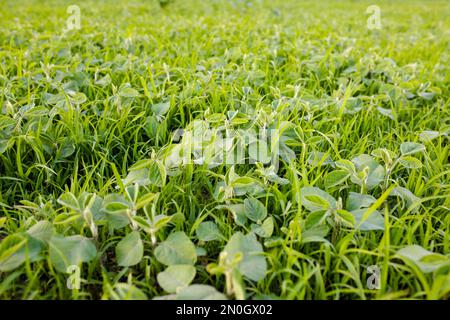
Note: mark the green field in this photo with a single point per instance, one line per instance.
(111, 186)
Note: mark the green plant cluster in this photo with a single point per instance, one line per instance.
(94, 125)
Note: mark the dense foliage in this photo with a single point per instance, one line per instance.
(95, 123)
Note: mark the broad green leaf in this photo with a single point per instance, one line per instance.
(427, 261)
(315, 234)
(176, 277)
(115, 203)
(372, 213)
(128, 92)
(78, 98)
(143, 223)
(69, 200)
(428, 135)
(386, 155)
(137, 176)
(15, 249)
(200, 292)
(346, 165)
(126, 291)
(375, 221)
(208, 231)
(274, 242)
(315, 199)
(114, 208)
(408, 148)
(157, 174)
(316, 158)
(67, 251)
(161, 221)
(270, 174)
(246, 185)
(358, 201)
(254, 209)
(67, 149)
(264, 230)
(103, 82)
(145, 200)
(316, 218)
(161, 108)
(238, 212)
(427, 95)
(405, 195)
(141, 164)
(41, 231)
(387, 112)
(375, 172)
(410, 162)
(346, 217)
(253, 264)
(201, 252)
(130, 250)
(176, 249)
(68, 218)
(335, 178)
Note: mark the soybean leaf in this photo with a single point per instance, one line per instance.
(375, 172)
(201, 252)
(137, 176)
(176, 249)
(315, 234)
(427, 261)
(410, 162)
(238, 212)
(346, 217)
(15, 249)
(103, 82)
(428, 135)
(264, 230)
(161, 108)
(405, 195)
(316, 218)
(69, 200)
(253, 264)
(67, 251)
(128, 92)
(315, 199)
(114, 208)
(176, 277)
(254, 209)
(358, 201)
(335, 178)
(41, 231)
(346, 165)
(200, 292)
(130, 250)
(208, 231)
(386, 155)
(408, 148)
(157, 174)
(375, 220)
(316, 158)
(126, 291)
